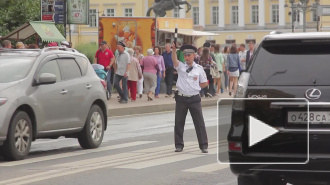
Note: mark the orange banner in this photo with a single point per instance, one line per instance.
(132, 31)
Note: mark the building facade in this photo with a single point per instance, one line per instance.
(235, 21)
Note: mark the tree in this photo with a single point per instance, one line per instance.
(14, 13)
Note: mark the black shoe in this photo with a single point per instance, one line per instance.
(229, 93)
(140, 96)
(205, 150)
(178, 150)
(122, 101)
(208, 95)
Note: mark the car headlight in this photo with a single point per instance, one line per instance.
(3, 101)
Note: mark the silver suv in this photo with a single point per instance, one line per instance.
(47, 94)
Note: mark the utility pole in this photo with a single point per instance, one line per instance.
(64, 17)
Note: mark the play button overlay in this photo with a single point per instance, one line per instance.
(263, 130)
(259, 131)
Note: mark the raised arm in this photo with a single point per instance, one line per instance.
(174, 56)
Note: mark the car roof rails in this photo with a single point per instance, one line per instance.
(57, 48)
(9, 51)
(275, 32)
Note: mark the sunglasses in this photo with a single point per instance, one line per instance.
(189, 69)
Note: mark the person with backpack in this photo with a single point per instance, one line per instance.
(104, 57)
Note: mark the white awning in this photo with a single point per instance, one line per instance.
(189, 32)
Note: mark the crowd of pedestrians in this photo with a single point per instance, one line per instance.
(7, 44)
(132, 73)
(136, 74)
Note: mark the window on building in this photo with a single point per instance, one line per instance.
(234, 14)
(176, 13)
(128, 12)
(110, 12)
(230, 41)
(255, 16)
(247, 41)
(315, 18)
(275, 14)
(215, 15)
(196, 15)
(93, 18)
(296, 16)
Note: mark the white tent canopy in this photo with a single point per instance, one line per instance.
(189, 33)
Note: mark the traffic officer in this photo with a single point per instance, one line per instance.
(191, 79)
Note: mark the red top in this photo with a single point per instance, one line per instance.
(104, 58)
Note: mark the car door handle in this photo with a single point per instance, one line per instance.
(88, 86)
(64, 91)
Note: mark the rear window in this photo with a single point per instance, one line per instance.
(83, 64)
(70, 69)
(13, 68)
(291, 62)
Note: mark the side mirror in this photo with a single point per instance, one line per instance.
(46, 78)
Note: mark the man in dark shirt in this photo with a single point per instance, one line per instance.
(167, 55)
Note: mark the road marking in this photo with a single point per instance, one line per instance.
(154, 113)
(187, 154)
(155, 157)
(208, 168)
(80, 168)
(137, 155)
(71, 154)
(161, 161)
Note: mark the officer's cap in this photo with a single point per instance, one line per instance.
(121, 44)
(188, 49)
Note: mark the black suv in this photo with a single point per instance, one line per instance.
(288, 65)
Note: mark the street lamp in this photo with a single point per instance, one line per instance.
(301, 5)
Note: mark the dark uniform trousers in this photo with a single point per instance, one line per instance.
(193, 104)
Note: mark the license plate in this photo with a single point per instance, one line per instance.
(314, 117)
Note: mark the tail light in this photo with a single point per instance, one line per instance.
(104, 83)
(238, 103)
(234, 147)
(3, 101)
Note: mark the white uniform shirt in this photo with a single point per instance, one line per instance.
(188, 83)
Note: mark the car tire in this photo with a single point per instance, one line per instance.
(92, 134)
(19, 137)
(259, 180)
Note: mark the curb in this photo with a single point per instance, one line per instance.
(155, 108)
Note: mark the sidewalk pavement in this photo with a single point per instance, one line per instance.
(161, 104)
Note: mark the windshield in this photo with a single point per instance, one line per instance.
(14, 68)
(298, 62)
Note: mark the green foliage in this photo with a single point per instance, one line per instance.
(88, 49)
(14, 13)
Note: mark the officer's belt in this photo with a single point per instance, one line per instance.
(185, 95)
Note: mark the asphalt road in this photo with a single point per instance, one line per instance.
(137, 149)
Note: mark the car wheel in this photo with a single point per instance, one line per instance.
(19, 138)
(1, 151)
(92, 134)
(259, 180)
